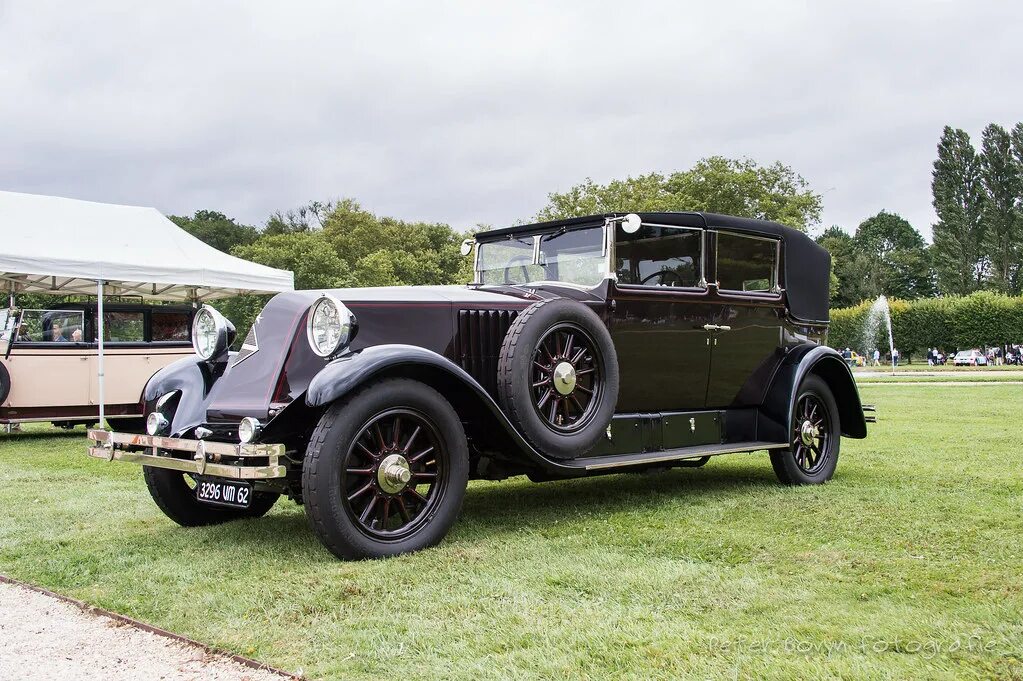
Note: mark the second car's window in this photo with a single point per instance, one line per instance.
(123, 327)
(659, 256)
(748, 264)
(169, 326)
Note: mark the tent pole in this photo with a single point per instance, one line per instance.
(99, 373)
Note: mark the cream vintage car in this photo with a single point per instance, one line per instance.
(49, 360)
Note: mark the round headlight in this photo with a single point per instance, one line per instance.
(204, 333)
(330, 326)
(211, 333)
(156, 423)
(249, 429)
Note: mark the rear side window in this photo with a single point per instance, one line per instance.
(170, 326)
(747, 264)
(123, 327)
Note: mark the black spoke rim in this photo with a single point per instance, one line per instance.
(391, 510)
(811, 434)
(566, 345)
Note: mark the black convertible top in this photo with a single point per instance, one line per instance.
(807, 264)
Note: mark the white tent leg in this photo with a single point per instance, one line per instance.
(99, 368)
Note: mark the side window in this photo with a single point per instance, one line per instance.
(660, 256)
(50, 326)
(123, 327)
(747, 263)
(169, 326)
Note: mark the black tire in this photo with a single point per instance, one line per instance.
(5, 383)
(543, 415)
(804, 464)
(344, 482)
(176, 499)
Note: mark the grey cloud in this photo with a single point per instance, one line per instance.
(471, 112)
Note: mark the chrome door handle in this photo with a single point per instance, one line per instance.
(716, 327)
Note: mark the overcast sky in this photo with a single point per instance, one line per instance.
(466, 112)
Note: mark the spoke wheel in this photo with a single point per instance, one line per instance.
(811, 434)
(815, 437)
(566, 384)
(393, 474)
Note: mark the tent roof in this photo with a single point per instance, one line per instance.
(50, 244)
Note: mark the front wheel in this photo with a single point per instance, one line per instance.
(814, 435)
(174, 493)
(385, 471)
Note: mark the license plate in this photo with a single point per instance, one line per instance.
(223, 492)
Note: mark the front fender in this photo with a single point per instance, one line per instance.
(469, 398)
(346, 373)
(193, 378)
(831, 367)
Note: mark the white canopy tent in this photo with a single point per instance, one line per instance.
(64, 246)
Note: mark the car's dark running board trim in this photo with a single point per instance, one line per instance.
(594, 463)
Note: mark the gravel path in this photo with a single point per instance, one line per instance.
(42, 637)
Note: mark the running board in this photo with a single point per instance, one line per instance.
(594, 463)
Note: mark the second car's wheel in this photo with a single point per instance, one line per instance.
(385, 471)
(558, 377)
(815, 436)
(174, 493)
(5, 383)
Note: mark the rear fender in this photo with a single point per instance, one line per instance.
(828, 364)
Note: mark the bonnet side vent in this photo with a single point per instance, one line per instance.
(478, 345)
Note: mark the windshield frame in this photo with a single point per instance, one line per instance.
(606, 253)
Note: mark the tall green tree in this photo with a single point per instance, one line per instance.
(1002, 189)
(958, 251)
(896, 258)
(847, 266)
(1016, 284)
(216, 229)
(716, 184)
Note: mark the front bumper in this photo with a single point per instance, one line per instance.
(216, 459)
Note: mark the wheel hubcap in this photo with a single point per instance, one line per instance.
(393, 473)
(564, 378)
(808, 432)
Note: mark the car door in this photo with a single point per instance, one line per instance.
(746, 349)
(658, 312)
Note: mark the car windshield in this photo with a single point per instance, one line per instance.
(572, 257)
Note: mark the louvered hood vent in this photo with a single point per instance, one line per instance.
(478, 344)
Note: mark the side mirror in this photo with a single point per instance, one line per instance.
(466, 247)
(631, 223)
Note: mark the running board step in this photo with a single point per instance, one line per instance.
(594, 463)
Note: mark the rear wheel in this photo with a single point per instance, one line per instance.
(174, 493)
(815, 436)
(385, 471)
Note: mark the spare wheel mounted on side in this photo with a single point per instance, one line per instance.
(557, 377)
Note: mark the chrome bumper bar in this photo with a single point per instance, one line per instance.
(870, 413)
(205, 460)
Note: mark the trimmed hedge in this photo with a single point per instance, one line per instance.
(956, 322)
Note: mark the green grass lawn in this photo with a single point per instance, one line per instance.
(946, 377)
(907, 565)
(946, 368)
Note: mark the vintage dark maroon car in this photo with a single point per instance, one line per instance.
(604, 344)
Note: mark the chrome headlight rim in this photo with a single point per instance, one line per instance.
(249, 429)
(346, 326)
(156, 423)
(219, 332)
